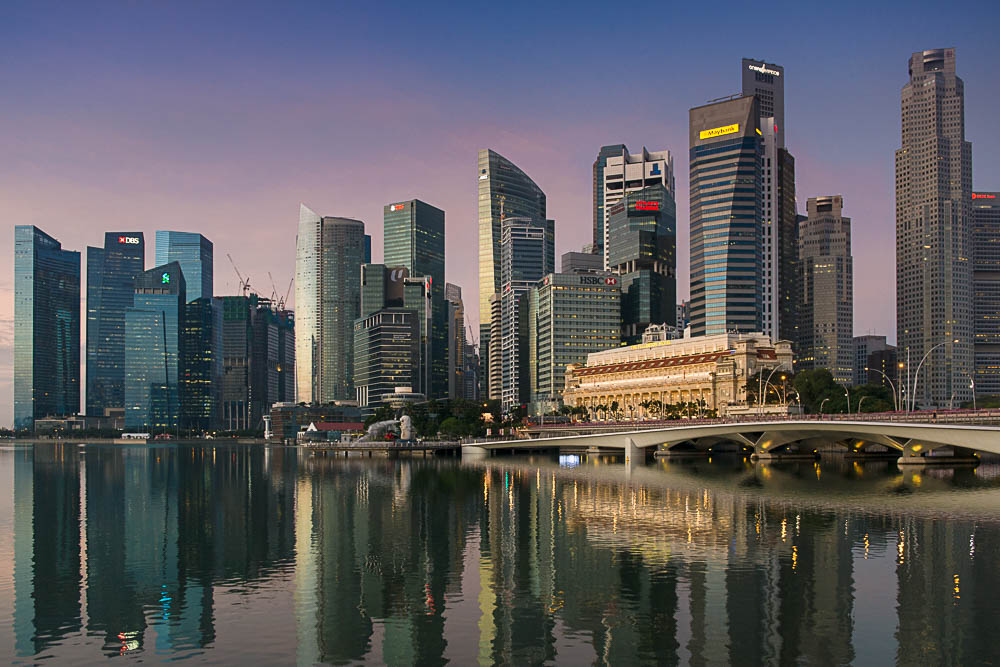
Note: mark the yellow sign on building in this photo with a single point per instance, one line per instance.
(719, 131)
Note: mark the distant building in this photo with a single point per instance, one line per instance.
(456, 341)
(864, 346)
(46, 328)
(826, 314)
(682, 315)
(471, 384)
(194, 253)
(709, 371)
(624, 174)
(642, 251)
(581, 262)
(287, 419)
(153, 350)
(201, 363)
(504, 191)
(986, 290)
(570, 316)
(726, 249)
(329, 255)
(111, 274)
(883, 368)
(597, 247)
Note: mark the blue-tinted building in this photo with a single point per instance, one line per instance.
(599, 164)
(153, 350)
(111, 274)
(201, 363)
(46, 327)
(194, 254)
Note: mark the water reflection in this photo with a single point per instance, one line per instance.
(280, 555)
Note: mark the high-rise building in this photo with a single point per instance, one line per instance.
(470, 386)
(111, 274)
(329, 255)
(153, 350)
(414, 239)
(570, 316)
(504, 191)
(456, 341)
(46, 327)
(766, 82)
(385, 289)
(194, 253)
(726, 148)
(827, 309)
(625, 173)
(986, 291)
(933, 208)
(642, 250)
(526, 254)
(597, 247)
(882, 368)
(582, 262)
(786, 254)
(864, 347)
(201, 363)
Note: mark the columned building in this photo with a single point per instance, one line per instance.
(934, 298)
(986, 290)
(504, 191)
(111, 274)
(709, 371)
(329, 254)
(726, 248)
(826, 314)
(46, 327)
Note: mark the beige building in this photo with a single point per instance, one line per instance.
(713, 369)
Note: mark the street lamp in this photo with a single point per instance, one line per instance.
(895, 400)
(860, 402)
(761, 388)
(848, 395)
(916, 375)
(972, 386)
(822, 403)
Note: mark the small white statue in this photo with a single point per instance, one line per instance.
(405, 428)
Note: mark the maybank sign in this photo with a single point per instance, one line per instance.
(719, 131)
(763, 69)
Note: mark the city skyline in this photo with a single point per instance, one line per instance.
(150, 141)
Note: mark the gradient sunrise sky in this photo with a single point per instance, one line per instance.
(220, 117)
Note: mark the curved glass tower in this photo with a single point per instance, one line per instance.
(503, 187)
(328, 259)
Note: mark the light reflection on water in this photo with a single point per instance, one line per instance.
(278, 555)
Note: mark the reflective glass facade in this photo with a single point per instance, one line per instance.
(153, 350)
(726, 245)
(46, 327)
(502, 186)
(201, 363)
(385, 345)
(194, 254)
(599, 164)
(111, 274)
(329, 255)
(986, 289)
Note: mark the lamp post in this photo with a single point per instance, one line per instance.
(895, 399)
(972, 386)
(848, 395)
(760, 401)
(860, 402)
(822, 403)
(916, 374)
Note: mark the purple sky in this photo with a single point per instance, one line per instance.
(221, 117)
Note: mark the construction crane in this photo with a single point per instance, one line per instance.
(282, 300)
(244, 284)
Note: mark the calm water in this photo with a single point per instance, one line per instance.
(254, 555)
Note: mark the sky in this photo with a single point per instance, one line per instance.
(222, 117)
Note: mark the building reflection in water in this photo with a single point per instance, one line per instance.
(505, 561)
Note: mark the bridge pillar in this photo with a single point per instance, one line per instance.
(633, 455)
(473, 453)
(916, 454)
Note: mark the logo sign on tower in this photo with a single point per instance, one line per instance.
(643, 205)
(719, 131)
(976, 195)
(128, 240)
(165, 279)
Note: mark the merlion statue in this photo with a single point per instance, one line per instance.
(405, 428)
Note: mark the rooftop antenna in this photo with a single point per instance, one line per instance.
(244, 284)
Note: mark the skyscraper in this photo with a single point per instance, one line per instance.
(456, 341)
(625, 173)
(328, 259)
(526, 254)
(46, 327)
(827, 309)
(111, 274)
(414, 239)
(766, 82)
(597, 247)
(642, 250)
(194, 254)
(726, 286)
(933, 210)
(153, 349)
(504, 191)
(986, 290)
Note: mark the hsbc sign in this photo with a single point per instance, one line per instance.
(128, 240)
(598, 280)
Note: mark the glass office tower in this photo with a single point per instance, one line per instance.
(414, 239)
(597, 247)
(153, 350)
(504, 191)
(726, 248)
(111, 274)
(986, 291)
(328, 259)
(193, 252)
(46, 327)
(642, 249)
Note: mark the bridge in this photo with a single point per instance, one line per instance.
(915, 443)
